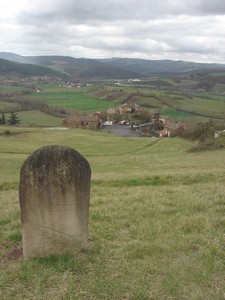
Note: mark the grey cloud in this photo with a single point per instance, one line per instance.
(211, 7)
(96, 10)
(175, 29)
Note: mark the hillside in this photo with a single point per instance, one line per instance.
(24, 69)
(156, 221)
(82, 67)
(168, 67)
(113, 67)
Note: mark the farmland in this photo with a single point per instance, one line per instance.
(179, 105)
(69, 98)
(188, 98)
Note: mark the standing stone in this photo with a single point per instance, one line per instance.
(54, 198)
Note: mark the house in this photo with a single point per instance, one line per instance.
(82, 121)
(165, 119)
(172, 129)
(129, 108)
(219, 133)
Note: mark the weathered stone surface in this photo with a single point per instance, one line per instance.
(54, 198)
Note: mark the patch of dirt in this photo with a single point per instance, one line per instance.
(11, 252)
(16, 253)
(9, 133)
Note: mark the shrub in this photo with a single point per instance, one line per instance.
(201, 132)
(7, 132)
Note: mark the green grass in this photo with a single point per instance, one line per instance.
(211, 96)
(187, 117)
(173, 100)
(38, 118)
(10, 89)
(34, 118)
(198, 106)
(5, 106)
(156, 226)
(70, 98)
(176, 115)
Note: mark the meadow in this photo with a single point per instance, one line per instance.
(156, 225)
(69, 98)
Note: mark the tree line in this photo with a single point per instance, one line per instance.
(13, 119)
(26, 104)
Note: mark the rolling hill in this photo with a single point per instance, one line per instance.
(161, 67)
(80, 68)
(24, 69)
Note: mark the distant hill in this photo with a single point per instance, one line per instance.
(82, 67)
(78, 68)
(13, 57)
(151, 67)
(15, 68)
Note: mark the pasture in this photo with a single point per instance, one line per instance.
(156, 226)
(69, 98)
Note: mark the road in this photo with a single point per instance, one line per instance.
(120, 130)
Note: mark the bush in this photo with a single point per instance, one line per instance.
(200, 132)
(7, 133)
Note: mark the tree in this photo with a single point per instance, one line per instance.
(13, 119)
(2, 119)
(200, 132)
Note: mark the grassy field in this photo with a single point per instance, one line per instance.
(180, 98)
(156, 227)
(183, 105)
(69, 98)
(36, 118)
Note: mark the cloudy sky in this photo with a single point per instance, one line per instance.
(191, 30)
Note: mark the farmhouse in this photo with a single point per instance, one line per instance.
(129, 108)
(82, 121)
(172, 129)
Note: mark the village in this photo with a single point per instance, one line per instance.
(143, 122)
